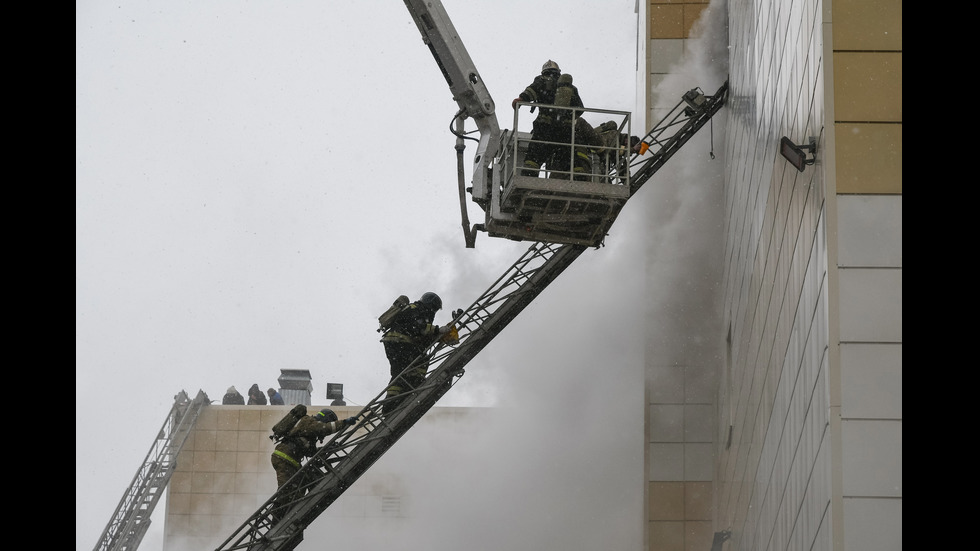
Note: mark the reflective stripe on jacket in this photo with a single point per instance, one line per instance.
(301, 440)
(286, 457)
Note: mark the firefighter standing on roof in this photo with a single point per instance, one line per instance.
(297, 445)
(411, 333)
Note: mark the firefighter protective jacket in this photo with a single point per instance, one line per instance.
(301, 441)
(413, 325)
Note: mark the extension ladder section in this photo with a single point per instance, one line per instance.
(689, 115)
(131, 519)
(351, 451)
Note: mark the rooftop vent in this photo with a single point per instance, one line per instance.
(296, 386)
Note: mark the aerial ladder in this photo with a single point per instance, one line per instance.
(131, 518)
(517, 207)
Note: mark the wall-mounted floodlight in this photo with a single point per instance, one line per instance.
(335, 392)
(795, 154)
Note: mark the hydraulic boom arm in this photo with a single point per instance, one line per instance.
(469, 92)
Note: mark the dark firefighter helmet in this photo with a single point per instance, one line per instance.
(550, 66)
(326, 415)
(432, 301)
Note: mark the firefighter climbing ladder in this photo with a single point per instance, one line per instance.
(350, 452)
(132, 516)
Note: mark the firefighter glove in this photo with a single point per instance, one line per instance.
(444, 329)
(350, 421)
(457, 313)
(513, 104)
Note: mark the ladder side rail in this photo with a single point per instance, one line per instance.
(137, 523)
(351, 451)
(689, 124)
(121, 520)
(183, 425)
(163, 468)
(133, 539)
(676, 118)
(133, 523)
(129, 521)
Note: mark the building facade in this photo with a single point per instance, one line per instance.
(806, 446)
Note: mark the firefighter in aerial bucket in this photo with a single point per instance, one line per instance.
(548, 127)
(573, 130)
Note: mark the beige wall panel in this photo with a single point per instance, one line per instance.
(697, 535)
(222, 503)
(202, 482)
(697, 500)
(179, 504)
(869, 158)
(691, 14)
(181, 481)
(202, 461)
(873, 523)
(867, 25)
(246, 483)
(273, 414)
(250, 462)
(667, 21)
(872, 458)
(666, 500)
(202, 440)
(674, 19)
(224, 483)
(225, 461)
(228, 418)
(665, 53)
(250, 420)
(200, 525)
(202, 504)
(867, 87)
(255, 441)
(207, 420)
(667, 536)
(225, 440)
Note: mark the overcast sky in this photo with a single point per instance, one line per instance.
(257, 181)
